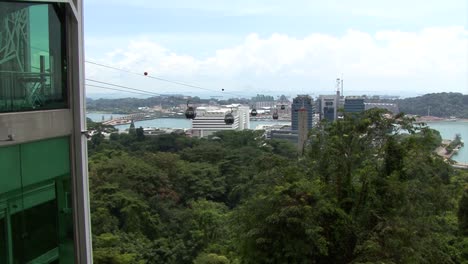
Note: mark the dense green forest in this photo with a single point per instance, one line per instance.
(438, 104)
(362, 193)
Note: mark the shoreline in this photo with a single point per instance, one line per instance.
(430, 119)
(447, 121)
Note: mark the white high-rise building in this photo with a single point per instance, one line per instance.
(211, 119)
(328, 106)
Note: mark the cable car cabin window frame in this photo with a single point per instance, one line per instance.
(189, 115)
(4, 234)
(231, 119)
(275, 116)
(253, 112)
(190, 112)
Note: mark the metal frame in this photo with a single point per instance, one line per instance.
(78, 141)
(16, 202)
(79, 151)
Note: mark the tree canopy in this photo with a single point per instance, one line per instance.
(362, 193)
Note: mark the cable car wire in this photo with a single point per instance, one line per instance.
(152, 77)
(121, 86)
(115, 89)
(162, 79)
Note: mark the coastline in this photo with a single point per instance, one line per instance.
(430, 119)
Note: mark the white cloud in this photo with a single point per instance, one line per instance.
(433, 59)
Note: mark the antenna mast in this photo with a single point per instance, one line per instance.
(342, 81)
(339, 87)
(338, 83)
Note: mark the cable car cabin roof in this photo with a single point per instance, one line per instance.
(229, 119)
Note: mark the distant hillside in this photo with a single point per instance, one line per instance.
(127, 105)
(130, 105)
(440, 105)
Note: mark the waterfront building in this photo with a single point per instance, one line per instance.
(328, 107)
(306, 102)
(285, 134)
(211, 119)
(354, 104)
(388, 106)
(283, 100)
(44, 211)
(153, 131)
(283, 105)
(263, 101)
(279, 131)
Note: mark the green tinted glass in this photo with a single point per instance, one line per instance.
(3, 238)
(35, 233)
(36, 217)
(32, 57)
(65, 218)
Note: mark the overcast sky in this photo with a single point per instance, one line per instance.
(397, 47)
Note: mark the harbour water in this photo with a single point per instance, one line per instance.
(168, 122)
(447, 129)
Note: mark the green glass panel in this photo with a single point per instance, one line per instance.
(34, 233)
(39, 203)
(37, 196)
(64, 201)
(33, 57)
(44, 160)
(10, 178)
(3, 240)
(39, 36)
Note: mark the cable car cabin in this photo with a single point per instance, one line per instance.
(283, 107)
(275, 116)
(253, 112)
(190, 113)
(229, 119)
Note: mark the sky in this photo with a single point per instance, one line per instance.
(248, 47)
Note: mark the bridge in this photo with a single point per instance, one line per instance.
(128, 119)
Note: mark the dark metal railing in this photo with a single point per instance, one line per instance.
(23, 90)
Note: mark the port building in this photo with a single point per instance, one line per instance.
(211, 119)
